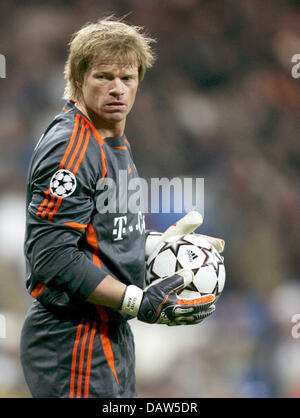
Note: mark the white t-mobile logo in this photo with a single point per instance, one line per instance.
(120, 223)
(121, 228)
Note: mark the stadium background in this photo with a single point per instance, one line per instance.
(221, 104)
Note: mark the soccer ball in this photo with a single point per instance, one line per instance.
(190, 252)
(63, 183)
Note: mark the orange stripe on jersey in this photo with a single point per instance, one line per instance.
(58, 203)
(103, 163)
(66, 154)
(85, 145)
(106, 342)
(69, 165)
(81, 359)
(95, 132)
(45, 201)
(106, 345)
(50, 204)
(89, 361)
(121, 147)
(38, 289)
(79, 142)
(100, 141)
(76, 225)
(71, 142)
(74, 355)
(93, 242)
(64, 109)
(126, 142)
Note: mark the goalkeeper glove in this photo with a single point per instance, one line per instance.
(160, 303)
(185, 225)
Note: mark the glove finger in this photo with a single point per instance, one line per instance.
(174, 283)
(204, 307)
(218, 243)
(186, 306)
(204, 314)
(185, 312)
(185, 225)
(193, 319)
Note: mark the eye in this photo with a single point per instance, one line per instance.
(128, 78)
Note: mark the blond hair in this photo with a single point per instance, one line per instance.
(106, 40)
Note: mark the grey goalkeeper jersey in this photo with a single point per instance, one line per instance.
(79, 226)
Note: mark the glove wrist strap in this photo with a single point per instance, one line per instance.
(132, 300)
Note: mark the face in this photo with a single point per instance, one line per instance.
(108, 93)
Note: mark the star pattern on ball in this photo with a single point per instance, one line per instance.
(173, 246)
(213, 258)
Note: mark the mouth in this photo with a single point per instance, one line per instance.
(116, 105)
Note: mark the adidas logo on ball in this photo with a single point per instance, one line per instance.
(192, 256)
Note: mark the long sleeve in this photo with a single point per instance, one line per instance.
(64, 170)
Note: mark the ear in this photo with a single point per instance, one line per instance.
(79, 89)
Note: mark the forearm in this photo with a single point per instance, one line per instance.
(108, 293)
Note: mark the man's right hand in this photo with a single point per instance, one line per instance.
(186, 225)
(159, 302)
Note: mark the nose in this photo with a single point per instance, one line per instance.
(117, 87)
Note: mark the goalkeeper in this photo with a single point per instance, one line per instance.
(86, 266)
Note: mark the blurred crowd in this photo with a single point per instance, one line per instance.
(219, 104)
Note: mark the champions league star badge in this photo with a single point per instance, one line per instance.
(63, 183)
